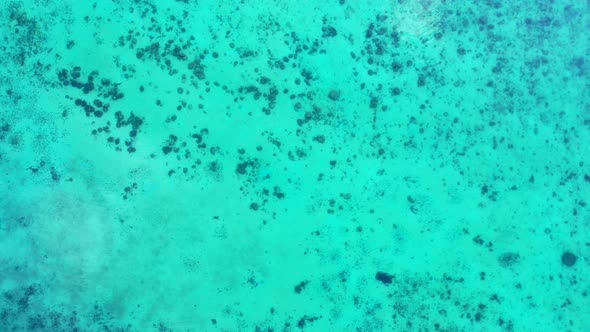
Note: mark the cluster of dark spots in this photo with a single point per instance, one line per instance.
(448, 278)
(500, 65)
(397, 66)
(170, 145)
(301, 286)
(384, 277)
(135, 122)
(26, 34)
(315, 116)
(307, 75)
(395, 91)
(263, 80)
(197, 68)
(129, 190)
(17, 304)
(490, 194)
(274, 141)
(254, 206)
(305, 320)
(265, 193)
(26, 294)
(24, 309)
(251, 89)
(413, 204)
(580, 66)
(279, 64)
(421, 80)
(151, 51)
(188, 153)
(428, 74)
(334, 95)
(568, 177)
(247, 167)
(162, 327)
(320, 139)
(110, 90)
(270, 95)
(54, 175)
(70, 44)
(271, 98)
(72, 78)
(374, 103)
(479, 241)
(479, 314)
(343, 276)
(278, 193)
(328, 31)
(4, 130)
(97, 108)
(299, 46)
(508, 259)
(244, 53)
(536, 63)
(252, 282)
(171, 119)
(380, 39)
(113, 140)
(506, 325)
(339, 204)
(247, 170)
(215, 169)
(161, 51)
(36, 169)
(199, 138)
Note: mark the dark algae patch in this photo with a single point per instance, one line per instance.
(301, 286)
(294, 166)
(568, 259)
(383, 277)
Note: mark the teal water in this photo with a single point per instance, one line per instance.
(212, 165)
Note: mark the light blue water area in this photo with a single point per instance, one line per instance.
(294, 165)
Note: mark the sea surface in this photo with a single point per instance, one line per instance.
(337, 165)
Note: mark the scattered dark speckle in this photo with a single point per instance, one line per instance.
(508, 259)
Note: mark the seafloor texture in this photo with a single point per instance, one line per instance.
(212, 165)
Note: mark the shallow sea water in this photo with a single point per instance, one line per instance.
(201, 165)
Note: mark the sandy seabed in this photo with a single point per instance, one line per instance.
(294, 165)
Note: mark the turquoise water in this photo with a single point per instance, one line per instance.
(201, 165)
